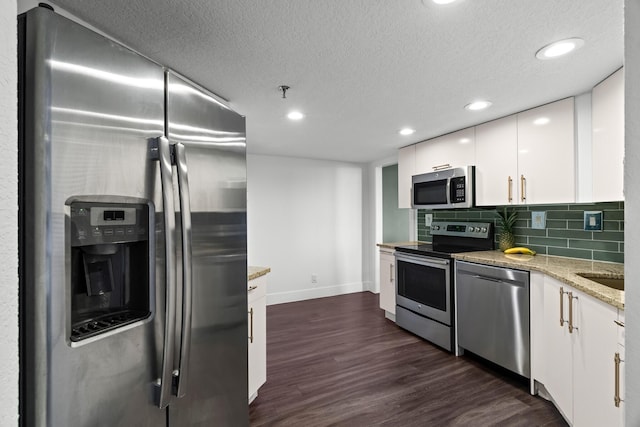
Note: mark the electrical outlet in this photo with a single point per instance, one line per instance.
(538, 220)
(314, 278)
(593, 221)
(428, 218)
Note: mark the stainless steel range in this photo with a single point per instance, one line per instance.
(425, 279)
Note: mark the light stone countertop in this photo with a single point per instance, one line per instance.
(255, 272)
(392, 245)
(561, 268)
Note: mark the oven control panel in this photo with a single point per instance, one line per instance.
(480, 230)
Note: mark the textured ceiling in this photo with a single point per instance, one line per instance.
(362, 69)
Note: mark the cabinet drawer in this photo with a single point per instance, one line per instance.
(256, 288)
(620, 328)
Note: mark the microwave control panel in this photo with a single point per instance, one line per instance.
(457, 189)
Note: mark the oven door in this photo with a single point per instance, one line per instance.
(424, 286)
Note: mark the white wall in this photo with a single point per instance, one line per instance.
(372, 221)
(632, 212)
(305, 218)
(8, 215)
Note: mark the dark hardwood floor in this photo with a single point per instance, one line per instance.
(338, 361)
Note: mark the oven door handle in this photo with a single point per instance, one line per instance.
(436, 261)
(423, 260)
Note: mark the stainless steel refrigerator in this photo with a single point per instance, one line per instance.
(133, 261)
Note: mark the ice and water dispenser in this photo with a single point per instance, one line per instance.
(110, 257)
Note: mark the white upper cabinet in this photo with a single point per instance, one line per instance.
(527, 158)
(546, 154)
(497, 162)
(607, 120)
(406, 169)
(451, 150)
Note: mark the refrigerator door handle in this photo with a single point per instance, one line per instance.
(185, 212)
(164, 383)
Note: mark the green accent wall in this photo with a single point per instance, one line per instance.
(395, 222)
(564, 234)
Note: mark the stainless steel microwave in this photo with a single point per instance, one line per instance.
(444, 189)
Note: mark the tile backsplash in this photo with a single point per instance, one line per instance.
(564, 234)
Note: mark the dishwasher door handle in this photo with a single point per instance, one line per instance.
(493, 279)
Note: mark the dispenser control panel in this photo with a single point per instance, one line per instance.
(95, 224)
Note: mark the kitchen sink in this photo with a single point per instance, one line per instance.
(610, 282)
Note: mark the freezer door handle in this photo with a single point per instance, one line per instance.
(165, 382)
(185, 213)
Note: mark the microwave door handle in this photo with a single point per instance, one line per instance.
(449, 191)
(187, 284)
(164, 383)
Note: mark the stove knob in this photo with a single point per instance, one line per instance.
(476, 228)
(436, 227)
(484, 229)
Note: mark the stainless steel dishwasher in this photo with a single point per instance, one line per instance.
(493, 314)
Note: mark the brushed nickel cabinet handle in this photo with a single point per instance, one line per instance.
(561, 306)
(523, 188)
(440, 167)
(253, 288)
(616, 395)
(251, 325)
(510, 189)
(391, 271)
(571, 326)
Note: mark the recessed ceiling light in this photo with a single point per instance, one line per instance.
(406, 131)
(295, 115)
(464, 140)
(541, 121)
(443, 1)
(559, 48)
(477, 105)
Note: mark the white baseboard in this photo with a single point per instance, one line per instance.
(304, 294)
(369, 286)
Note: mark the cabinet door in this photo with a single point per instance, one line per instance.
(257, 333)
(387, 282)
(557, 361)
(595, 345)
(453, 150)
(607, 120)
(546, 154)
(622, 366)
(497, 179)
(406, 169)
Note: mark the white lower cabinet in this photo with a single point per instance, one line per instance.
(257, 334)
(575, 351)
(619, 366)
(387, 281)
